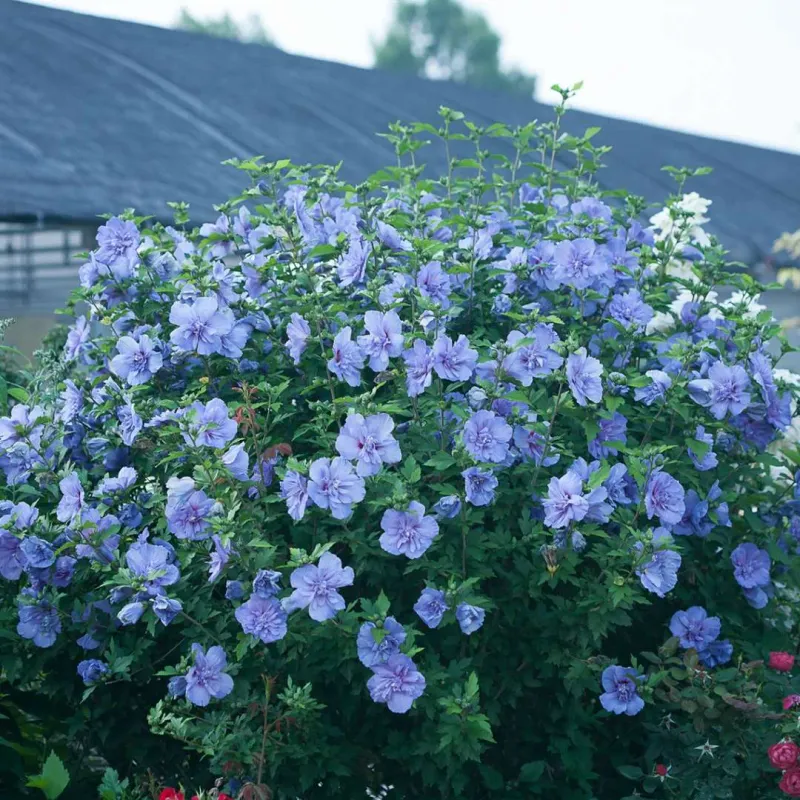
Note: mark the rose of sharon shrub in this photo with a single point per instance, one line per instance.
(467, 487)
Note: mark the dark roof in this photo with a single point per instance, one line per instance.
(97, 115)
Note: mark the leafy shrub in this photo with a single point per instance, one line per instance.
(457, 487)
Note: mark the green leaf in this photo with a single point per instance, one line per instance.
(440, 461)
(53, 779)
(382, 604)
(628, 771)
(18, 393)
(532, 771)
(411, 470)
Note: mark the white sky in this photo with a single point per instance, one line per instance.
(724, 68)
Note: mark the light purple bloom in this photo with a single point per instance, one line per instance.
(479, 486)
(383, 339)
(294, 490)
(210, 425)
(207, 678)
(222, 227)
(352, 266)
(188, 510)
(630, 309)
(165, 608)
(72, 497)
(578, 263)
(486, 437)
(694, 628)
(565, 502)
(409, 533)
(71, 401)
(397, 683)
(709, 459)
(130, 423)
(583, 377)
(447, 507)
(664, 498)
(316, 588)
(611, 430)
(660, 574)
(724, 390)
(368, 442)
(535, 359)
(656, 390)
(263, 617)
(234, 590)
(348, 360)
(431, 606)
(219, 558)
(298, 331)
(37, 553)
(419, 366)
(716, 654)
(91, 670)
(453, 362)
(137, 361)
(334, 484)
(118, 241)
(11, 559)
(267, 583)
(434, 284)
(77, 339)
(201, 325)
(751, 566)
(131, 613)
(470, 618)
(621, 695)
(237, 461)
(371, 652)
(40, 623)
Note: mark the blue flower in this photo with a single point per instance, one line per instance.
(234, 590)
(656, 390)
(130, 423)
(694, 628)
(267, 583)
(210, 425)
(532, 359)
(583, 377)
(237, 461)
(131, 613)
(207, 678)
(630, 310)
(219, 558)
(709, 459)
(71, 503)
(716, 653)
(434, 284)
(664, 498)
(118, 241)
(479, 486)
(486, 437)
(621, 695)
(137, 361)
(71, 401)
(447, 507)
(201, 325)
(92, 670)
(368, 442)
(724, 390)
(150, 563)
(348, 360)
(419, 367)
(40, 623)
(409, 533)
(383, 339)
(263, 617)
(612, 429)
(453, 362)
(316, 588)
(397, 683)
(299, 332)
(578, 263)
(37, 552)
(294, 490)
(372, 652)
(431, 606)
(166, 609)
(470, 618)
(660, 574)
(751, 566)
(188, 509)
(333, 484)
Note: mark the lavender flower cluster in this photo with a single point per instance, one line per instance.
(386, 337)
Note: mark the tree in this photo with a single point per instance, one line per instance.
(226, 27)
(441, 39)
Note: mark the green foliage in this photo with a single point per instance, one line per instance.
(53, 778)
(226, 27)
(442, 39)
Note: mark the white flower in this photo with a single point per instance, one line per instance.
(752, 306)
(693, 204)
(787, 376)
(660, 323)
(682, 270)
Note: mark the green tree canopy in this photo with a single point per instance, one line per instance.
(226, 27)
(441, 39)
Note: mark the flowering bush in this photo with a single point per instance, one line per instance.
(470, 486)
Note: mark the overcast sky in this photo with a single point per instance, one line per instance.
(724, 68)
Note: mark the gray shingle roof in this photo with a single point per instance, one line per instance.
(97, 115)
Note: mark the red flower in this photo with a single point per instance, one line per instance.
(662, 770)
(170, 794)
(781, 662)
(790, 782)
(783, 754)
(223, 796)
(790, 701)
